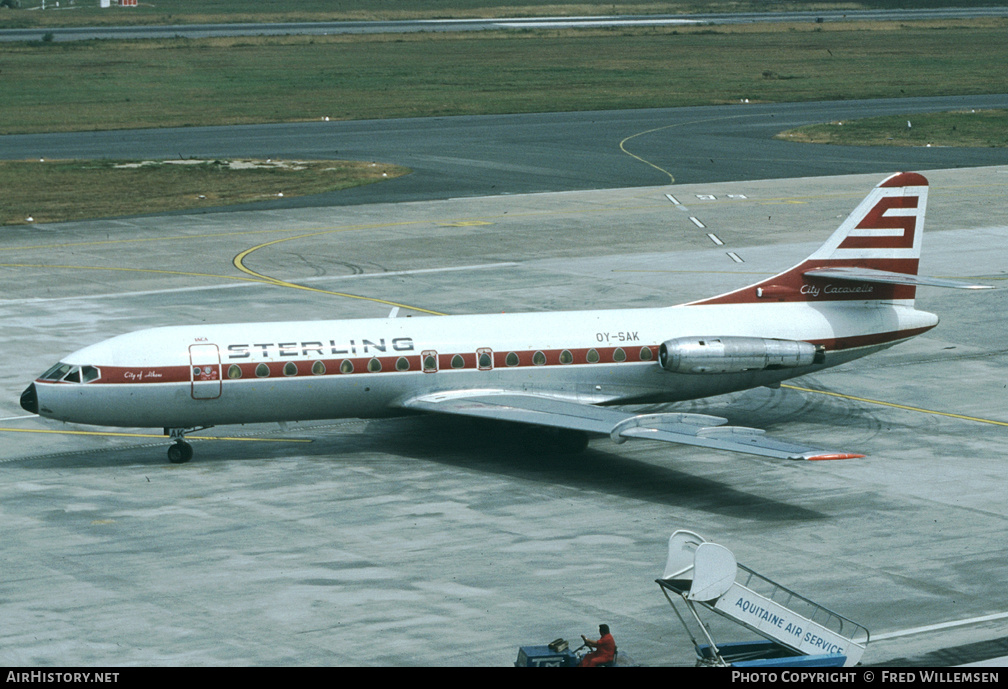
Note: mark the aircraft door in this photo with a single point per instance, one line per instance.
(484, 359)
(205, 371)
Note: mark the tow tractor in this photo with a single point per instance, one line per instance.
(797, 631)
(557, 653)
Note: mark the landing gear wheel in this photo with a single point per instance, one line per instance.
(180, 453)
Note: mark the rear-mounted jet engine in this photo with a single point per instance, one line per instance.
(735, 354)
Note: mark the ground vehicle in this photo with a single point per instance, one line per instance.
(557, 653)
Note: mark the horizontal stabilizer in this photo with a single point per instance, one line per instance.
(686, 429)
(854, 274)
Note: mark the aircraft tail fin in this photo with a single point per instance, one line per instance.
(872, 256)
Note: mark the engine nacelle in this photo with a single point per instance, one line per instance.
(733, 354)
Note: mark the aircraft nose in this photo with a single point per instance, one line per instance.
(29, 399)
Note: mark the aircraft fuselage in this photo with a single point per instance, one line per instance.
(183, 376)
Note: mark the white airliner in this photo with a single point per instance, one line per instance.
(562, 371)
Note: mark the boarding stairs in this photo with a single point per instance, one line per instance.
(797, 631)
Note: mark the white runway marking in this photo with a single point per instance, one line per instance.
(940, 625)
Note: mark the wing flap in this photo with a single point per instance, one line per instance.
(686, 429)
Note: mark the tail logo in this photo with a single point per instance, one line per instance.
(891, 224)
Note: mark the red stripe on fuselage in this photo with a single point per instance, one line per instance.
(132, 375)
(841, 343)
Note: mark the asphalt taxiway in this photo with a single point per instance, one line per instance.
(324, 28)
(543, 152)
(423, 541)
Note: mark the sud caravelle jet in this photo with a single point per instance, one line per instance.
(562, 371)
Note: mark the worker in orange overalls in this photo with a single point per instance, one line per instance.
(604, 649)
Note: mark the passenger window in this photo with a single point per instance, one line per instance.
(619, 354)
(318, 368)
(511, 359)
(262, 371)
(457, 361)
(234, 371)
(592, 356)
(346, 366)
(484, 359)
(290, 369)
(402, 364)
(566, 357)
(538, 359)
(645, 354)
(374, 365)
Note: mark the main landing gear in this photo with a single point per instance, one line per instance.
(181, 451)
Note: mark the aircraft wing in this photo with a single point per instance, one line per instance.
(687, 429)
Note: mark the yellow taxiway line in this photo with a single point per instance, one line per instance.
(239, 263)
(894, 405)
(156, 436)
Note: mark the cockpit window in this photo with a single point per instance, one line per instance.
(56, 372)
(71, 374)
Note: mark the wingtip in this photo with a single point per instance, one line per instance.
(830, 456)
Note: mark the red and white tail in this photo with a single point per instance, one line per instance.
(872, 256)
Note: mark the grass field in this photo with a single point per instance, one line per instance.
(124, 84)
(57, 190)
(984, 128)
